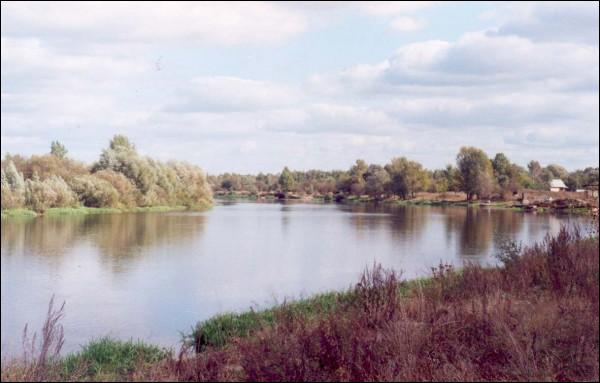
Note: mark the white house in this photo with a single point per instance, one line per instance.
(557, 185)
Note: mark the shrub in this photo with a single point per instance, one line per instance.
(125, 188)
(95, 192)
(53, 192)
(46, 166)
(64, 196)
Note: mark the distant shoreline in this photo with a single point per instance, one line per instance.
(77, 211)
(421, 199)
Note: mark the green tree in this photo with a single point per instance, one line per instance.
(120, 141)
(286, 180)
(358, 174)
(502, 170)
(476, 172)
(377, 181)
(407, 177)
(58, 150)
(557, 171)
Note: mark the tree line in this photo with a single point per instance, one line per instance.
(121, 178)
(474, 173)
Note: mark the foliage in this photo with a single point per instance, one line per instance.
(377, 181)
(157, 183)
(286, 180)
(52, 192)
(95, 192)
(476, 172)
(125, 188)
(407, 177)
(58, 150)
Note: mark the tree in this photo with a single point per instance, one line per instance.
(377, 181)
(476, 172)
(227, 184)
(120, 141)
(58, 150)
(502, 170)
(539, 176)
(286, 180)
(453, 178)
(407, 177)
(14, 178)
(357, 177)
(557, 171)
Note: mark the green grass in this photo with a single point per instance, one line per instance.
(81, 210)
(218, 330)
(56, 211)
(107, 359)
(251, 197)
(18, 213)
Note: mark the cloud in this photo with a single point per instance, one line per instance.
(407, 24)
(501, 92)
(216, 23)
(226, 94)
(347, 119)
(387, 8)
(572, 21)
(518, 86)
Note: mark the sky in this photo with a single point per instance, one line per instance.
(256, 86)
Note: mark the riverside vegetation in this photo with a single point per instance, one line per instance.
(533, 317)
(121, 180)
(475, 175)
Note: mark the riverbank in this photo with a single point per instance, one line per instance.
(533, 318)
(52, 212)
(561, 206)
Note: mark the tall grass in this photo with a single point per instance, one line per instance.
(535, 317)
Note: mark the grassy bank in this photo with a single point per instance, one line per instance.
(52, 212)
(504, 205)
(219, 330)
(18, 213)
(533, 318)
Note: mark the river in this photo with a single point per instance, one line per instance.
(150, 276)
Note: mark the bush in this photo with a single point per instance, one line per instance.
(95, 192)
(46, 166)
(127, 191)
(11, 199)
(64, 196)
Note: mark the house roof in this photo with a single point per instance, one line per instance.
(557, 183)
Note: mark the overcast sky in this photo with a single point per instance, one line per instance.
(250, 87)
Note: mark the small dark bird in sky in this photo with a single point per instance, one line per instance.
(157, 64)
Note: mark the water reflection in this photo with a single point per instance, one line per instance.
(152, 275)
(404, 223)
(114, 235)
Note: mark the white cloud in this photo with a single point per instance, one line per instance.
(407, 24)
(572, 21)
(218, 23)
(226, 94)
(387, 8)
(520, 87)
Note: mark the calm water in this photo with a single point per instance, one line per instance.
(152, 275)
